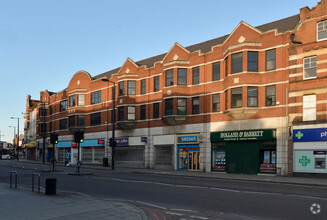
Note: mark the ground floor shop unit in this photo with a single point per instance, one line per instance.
(310, 150)
(245, 151)
(91, 151)
(188, 152)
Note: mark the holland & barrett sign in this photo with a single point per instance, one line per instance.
(246, 135)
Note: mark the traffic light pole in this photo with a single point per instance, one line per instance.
(113, 127)
(78, 156)
(53, 158)
(43, 127)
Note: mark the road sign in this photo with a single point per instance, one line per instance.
(79, 163)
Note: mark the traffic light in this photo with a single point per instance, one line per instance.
(53, 138)
(79, 137)
(110, 142)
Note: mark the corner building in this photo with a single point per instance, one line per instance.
(221, 105)
(308, 93)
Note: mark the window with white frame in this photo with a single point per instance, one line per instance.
(95, 97)
(309, 107)
(131, 113)
(131, 87)
(310, 67)
(81, 100)
(322, 30)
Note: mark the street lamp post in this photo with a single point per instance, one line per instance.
(14, 135)
(43, 127)
(113, 122)
(17, 137)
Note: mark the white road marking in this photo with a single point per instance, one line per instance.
(228, 190)
(190, 186)
(174, 213)
(183, 210)
(164, 184)
(152, 205)
(198, 217)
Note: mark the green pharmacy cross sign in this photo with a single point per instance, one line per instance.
(304, 161)
(299, 135)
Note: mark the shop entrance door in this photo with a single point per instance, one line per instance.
(242, 157)
(193, 160)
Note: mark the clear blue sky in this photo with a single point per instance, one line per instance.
(43, 43)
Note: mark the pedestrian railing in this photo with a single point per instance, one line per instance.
(38, 182)
(11, 176)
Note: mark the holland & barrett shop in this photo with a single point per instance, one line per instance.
(310, 150)
(247, 151)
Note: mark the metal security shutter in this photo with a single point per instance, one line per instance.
(98, 155)
(164, 155)
(129, 154)
(61, 154)
(87, 155)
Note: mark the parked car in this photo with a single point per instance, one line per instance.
(6, 157)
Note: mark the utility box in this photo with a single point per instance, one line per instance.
(50, 186)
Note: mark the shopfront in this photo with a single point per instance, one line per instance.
(310, 150)
(129, 152)
(247, 151)
(91, 151)
(188, 152)
(31, 150)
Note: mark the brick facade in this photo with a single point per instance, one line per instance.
(249, 58)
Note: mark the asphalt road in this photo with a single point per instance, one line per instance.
(168, 197)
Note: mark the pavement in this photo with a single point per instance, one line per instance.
(23, 204)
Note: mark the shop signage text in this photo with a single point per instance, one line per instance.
(144, 139)
(100, 141)
(313, 134)
(74, 144)
(243, 135)
(121, 141)
(187, 139)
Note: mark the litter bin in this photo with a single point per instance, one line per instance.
(105, 162)
(50, 186)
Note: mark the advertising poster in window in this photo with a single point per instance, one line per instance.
(219, 160)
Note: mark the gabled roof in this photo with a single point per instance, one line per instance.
(281, 26)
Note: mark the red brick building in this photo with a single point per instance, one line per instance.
(221, 105)
(308, 91)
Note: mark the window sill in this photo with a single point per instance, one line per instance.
(241, 113)
(174, 119)
(126, 125)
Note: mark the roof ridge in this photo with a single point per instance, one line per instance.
(282, 25)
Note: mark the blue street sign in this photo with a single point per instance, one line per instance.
(79, 163)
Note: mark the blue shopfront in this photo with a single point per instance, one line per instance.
(188, 152)
(310, 150)
(91, 151)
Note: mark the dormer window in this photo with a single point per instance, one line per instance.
(322, 30)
